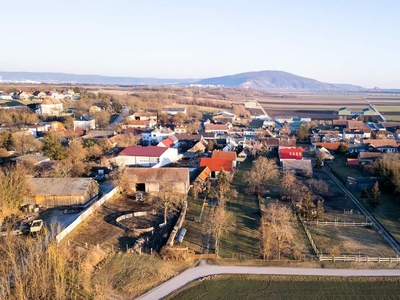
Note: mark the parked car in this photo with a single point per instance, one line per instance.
(36, 226)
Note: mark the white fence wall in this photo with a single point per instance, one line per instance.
(86, 214)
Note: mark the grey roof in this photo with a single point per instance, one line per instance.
(59, 186)
(37, 159)
(158, 174)
(297, 165)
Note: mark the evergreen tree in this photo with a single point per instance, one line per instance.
(364, 194)
(52, 146)
(375, 198)
(320, 210)
(307, 206)
(342, 149)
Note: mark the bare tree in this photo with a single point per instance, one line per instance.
(221, 221)
(266, 238)
(14, 187)
(168, 199)
(23, 143)
(128, 139)
(102, 118)
(320, 186)
(37, 272)
(263, 170)
(76, 152)
(288, 184)
(278, 219)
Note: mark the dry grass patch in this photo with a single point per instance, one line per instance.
(130, 275)
(332, 240)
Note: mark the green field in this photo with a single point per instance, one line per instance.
(290, 287)
(242, 240)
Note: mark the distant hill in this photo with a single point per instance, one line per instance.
(276, 80)
(262, 80)
(86, 79)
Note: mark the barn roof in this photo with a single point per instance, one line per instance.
(158, 174)
(59, 186)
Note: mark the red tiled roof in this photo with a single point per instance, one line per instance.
(329, 146)
(381, 142)
(149, 151)
(224, 154)
(205, 174)
(71, 133)
(216, 127)
(352, 124)
(271, 142)
(291, 153)
(369, 155)
(215, 164)
(168, 142)
(358, 131)
(139, 122)
(353, 162)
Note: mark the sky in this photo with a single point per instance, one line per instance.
(352, 41)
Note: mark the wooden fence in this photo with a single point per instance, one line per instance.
(357, 258)
(339, 224)
(86, 214)
(309, 236)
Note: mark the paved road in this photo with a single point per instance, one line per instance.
(198, 272)
(378, 226)
(375, 109)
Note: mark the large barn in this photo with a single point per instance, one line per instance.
(56, 192)
(150, 179)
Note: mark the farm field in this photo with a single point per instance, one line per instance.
(388, 107)
(315, 106)
(325, 106)
(289, 287)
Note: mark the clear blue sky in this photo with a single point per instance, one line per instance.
(353, 41)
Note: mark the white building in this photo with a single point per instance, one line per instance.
(150, 156)
(50, 106)
(153, 137)
(84, 122)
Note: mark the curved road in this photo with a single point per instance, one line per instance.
(198, 272)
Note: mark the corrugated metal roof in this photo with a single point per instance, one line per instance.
(59, 186)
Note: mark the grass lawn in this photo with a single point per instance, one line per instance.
(290, 287)
(242, 241)
(388, 213)
(350, 241)
(342, 171)
(194, 234)
(126, 276)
